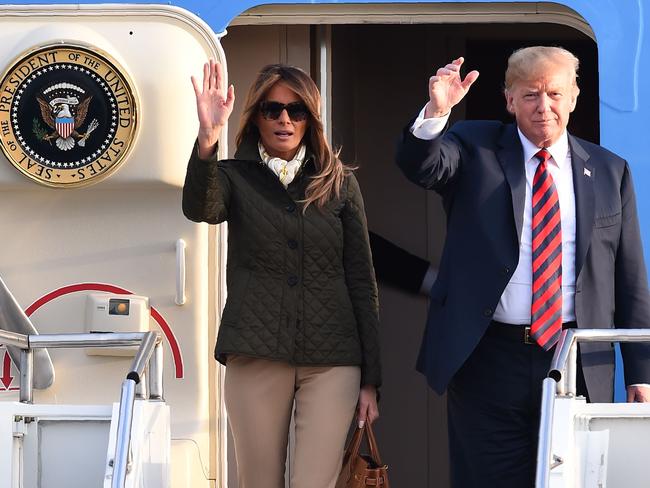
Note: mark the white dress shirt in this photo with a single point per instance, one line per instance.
(515, 302)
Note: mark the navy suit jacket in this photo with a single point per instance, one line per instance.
(478, 168)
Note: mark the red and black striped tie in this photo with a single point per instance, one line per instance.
(546, 311)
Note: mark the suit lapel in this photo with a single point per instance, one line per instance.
(511, 158)
(583, 176)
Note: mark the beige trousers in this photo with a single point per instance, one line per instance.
(259, 396)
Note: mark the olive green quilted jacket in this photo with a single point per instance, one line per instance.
(301, 287)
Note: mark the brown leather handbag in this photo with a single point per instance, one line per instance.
(363, 470)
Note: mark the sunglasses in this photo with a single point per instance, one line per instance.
(297, 111)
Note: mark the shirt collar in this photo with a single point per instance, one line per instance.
(559, 150)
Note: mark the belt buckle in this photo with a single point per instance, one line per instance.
(527, 338)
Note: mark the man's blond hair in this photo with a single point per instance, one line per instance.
(522, 63)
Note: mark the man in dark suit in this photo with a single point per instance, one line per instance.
(536, 241)
(399, 268)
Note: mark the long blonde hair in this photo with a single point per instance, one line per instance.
(330, 171)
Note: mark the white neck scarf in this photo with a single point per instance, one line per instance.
(285, 170)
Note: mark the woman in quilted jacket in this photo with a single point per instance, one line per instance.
(299, 329)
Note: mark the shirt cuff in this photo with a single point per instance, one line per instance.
(640, 384)
(428, 129)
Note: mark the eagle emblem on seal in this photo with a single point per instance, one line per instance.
(64, 107)
(68, 115)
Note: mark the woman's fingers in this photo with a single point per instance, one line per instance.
(206, 77)
(230, 99)
(212, 78)
(362, 410)
(195, 84)
(372, 413)
(218, 75)
(361, 418)
(367, 410)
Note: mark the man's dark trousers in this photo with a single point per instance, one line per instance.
(493, 407)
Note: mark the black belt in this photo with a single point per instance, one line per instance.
(518, 333)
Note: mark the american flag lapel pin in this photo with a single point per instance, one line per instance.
(588, 172)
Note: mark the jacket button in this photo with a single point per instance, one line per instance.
(290, 207)
(292, 280)
(488, 312)
(505, 270)
(292, 243)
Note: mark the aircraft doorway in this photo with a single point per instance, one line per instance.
(378, 75)
(379, 83)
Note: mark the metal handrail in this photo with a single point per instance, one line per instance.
(123, 434)
(127, 400)
(561, 381)
(148, 357)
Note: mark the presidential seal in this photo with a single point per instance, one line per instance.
(67, 115)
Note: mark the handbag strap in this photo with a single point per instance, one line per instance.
(355, 443)
(372, 443)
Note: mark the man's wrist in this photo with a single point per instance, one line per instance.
(430, 113)
(428, 128)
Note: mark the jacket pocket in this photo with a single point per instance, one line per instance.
(607, 220)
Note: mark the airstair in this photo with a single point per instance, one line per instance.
(590, 445)
(120, 445)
